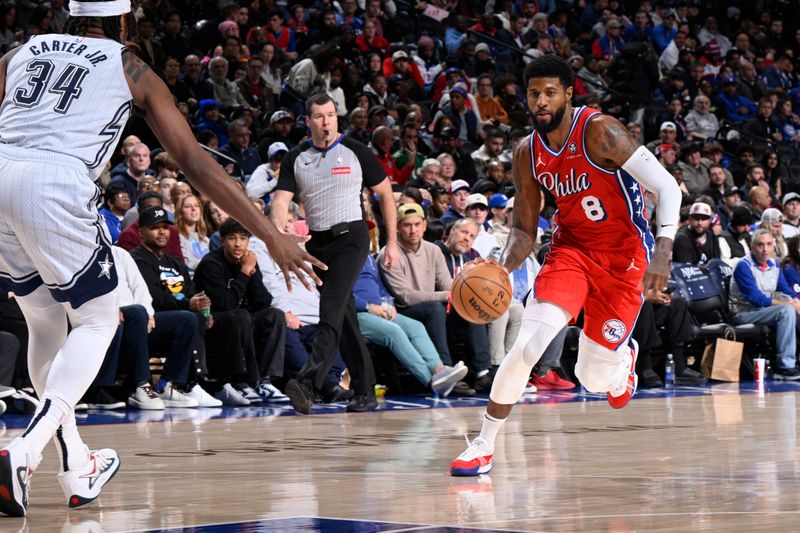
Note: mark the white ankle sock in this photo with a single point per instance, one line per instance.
(491, 426)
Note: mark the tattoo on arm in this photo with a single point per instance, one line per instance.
(614, 144)
(134, 67)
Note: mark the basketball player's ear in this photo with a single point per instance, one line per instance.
(569, 93)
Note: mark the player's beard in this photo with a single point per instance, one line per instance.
(555, 121)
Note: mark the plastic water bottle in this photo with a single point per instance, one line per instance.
(669, 371)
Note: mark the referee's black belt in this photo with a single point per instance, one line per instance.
(338, 230)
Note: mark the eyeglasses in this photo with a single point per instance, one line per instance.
(149, 184)
(122, 195)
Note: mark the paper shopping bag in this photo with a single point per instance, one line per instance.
(721, 360)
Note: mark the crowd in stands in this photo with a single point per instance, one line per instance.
(434, 88)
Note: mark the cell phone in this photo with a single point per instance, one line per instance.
(669, 290)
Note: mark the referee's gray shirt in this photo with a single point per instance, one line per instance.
(330, 181)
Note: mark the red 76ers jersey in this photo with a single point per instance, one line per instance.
(597, 208)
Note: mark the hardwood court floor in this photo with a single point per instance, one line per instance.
(718, 460)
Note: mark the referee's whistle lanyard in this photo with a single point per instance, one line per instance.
(456, 269)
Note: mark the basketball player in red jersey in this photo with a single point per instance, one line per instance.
(602, 256)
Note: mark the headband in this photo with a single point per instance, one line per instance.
(102, 8)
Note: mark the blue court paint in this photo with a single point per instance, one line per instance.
(316, 525)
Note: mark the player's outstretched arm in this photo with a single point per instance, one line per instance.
(609, 144)
(527, 198)
(153, 97)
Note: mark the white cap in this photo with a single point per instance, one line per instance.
(276, 147)
(700, 208)
(457, 185)
(477, 198)
(400, 54)
(668, 126)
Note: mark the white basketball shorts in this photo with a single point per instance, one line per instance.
(50, 232)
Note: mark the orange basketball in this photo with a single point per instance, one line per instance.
(481, 293)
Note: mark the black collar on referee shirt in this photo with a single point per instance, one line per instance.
(329, 148)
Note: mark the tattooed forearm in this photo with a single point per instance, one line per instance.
(520, 246)
(134, 67)
(608, 142)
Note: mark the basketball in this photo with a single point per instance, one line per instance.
(481, 292)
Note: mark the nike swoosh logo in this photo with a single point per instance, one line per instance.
(21, 478)
(307, 163)
(94, 475)
(667, 225)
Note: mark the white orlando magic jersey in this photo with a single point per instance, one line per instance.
(68, 95)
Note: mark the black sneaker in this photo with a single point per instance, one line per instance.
(332, 393)
(483, 383)
(302, 396)
(690, 377)
(100, 398)
(788, 374)
(461, 389)
(362, 403)
(649, 379)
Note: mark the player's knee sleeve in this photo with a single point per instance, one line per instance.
(100, 315)
(598, 368)
(540, 325)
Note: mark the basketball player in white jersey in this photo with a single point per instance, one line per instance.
(65, 100)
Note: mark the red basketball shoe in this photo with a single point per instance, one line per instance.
(551, 381)
(618, 402)
(476, 459)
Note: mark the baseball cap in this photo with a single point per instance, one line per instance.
(400, 54)
(771, 215)
(153, 216)
(477, 199)
(712, 47)
(613, 23)
(409, 210)
(459, 88)
(374, 110)
(449, 132)
(730, 191)
(481, 47)
(663, 147)
(275, 148)
(206, 104)
(280, 114)
(742, 216)
(540, 16)
(498, 200)
(729, 80)
(791, 196)
(668, 126)
(458, 185)
(575, 57)
(484, 185)
(700, 209)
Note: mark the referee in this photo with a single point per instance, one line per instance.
(328, 173)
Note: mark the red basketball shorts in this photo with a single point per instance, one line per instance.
(606, 285)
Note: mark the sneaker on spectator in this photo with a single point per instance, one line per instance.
(203, 398)
(552, 381)
(461, 389)
(17, 464)
(475, 460)
(362, 403)
(6, 391)
(249, 393)
(788, 374)
(270, 393)
(146, 398)
(100, 398)
(530, 388)
(689, 377)
(618, 402)
(650, 379)
(173, 397)
(230, 396)
(483, 383)
(82, 485)
(23, 402)
(449, 375)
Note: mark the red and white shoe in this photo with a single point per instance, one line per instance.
(618, 402)
(551, 381)
(476, 459)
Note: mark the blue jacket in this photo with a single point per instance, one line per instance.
(732, 105)
(755, 285)
(113, 223)
(792, 276)
(369, 287)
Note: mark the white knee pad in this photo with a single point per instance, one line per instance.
(541, 323)
(600, 369)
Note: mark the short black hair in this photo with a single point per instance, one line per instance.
(112, 190)
(550, 66)
(146, 196)
(318, 99)
(231, 226)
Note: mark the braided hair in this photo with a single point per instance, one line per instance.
(112, 26)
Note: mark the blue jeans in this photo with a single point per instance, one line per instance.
(408, 341)
(783, 319)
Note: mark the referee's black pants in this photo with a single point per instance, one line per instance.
(338, 326)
